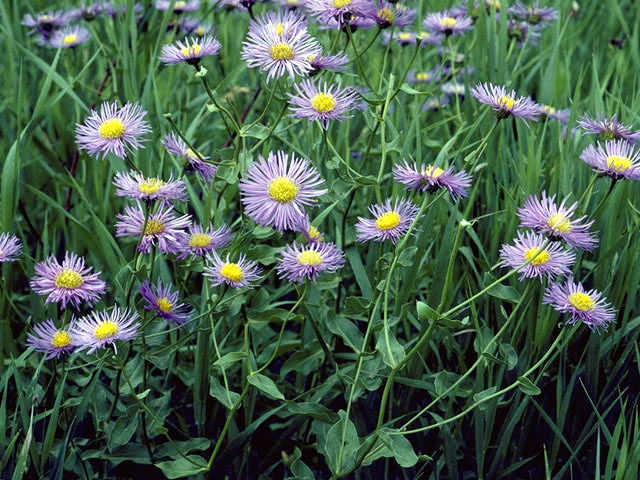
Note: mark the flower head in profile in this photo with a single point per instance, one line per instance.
(69, 38)
(191, 159)
(447, 23)
(113, 130)
(189, 51)
(201, 241)
(10, 247)
(391, 221)
(193, 26)
(164, 302)
(387, 14)
(279, 50)
(276, 189)
(311, 233)
(561, 115)
(505, 103)
(454, 89)
(534, 14)
(548, 262)
(69, 282)
(136, 185)
(48, 339)
(101, 329)
(336, 12)
(292, 4)
(616, 159)
(553, 220)
(235, 274)
(321, 102)
(608, 128)
(429, 178)
(586, 306)
(46, 21)
(422, 77)
(523, 32)
(162, 228)
(305, 262)
(179, 6)
(335, 63)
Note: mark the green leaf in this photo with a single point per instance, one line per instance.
(120, 432)
(224, 396)
(346, 330)
(425, 312)
(358, 270)
(407, 257)
(400, 447)
(313, 410)
(266, 385)
(183, 467)
(298, 468)
(509, 354)
(480, 396)
(255, 131)
(333, 444)
(392, 352)
(493, 358)
(527, 386)
(229, 359)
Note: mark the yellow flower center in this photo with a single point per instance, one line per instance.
(549, 110)
(323, 102)
(282, 189)
(341, 3)
(191, 154)
(581, 301)
(494, 3)
(151, 186)
(388, 220)
(200, 31)
(616, 162)
(559, 222)
(179, 4)
(433, 172)
(448, 22)
(60, 339)
(313, 232)
(68, 279)
(279, 29)
(311, 58)
(309, 257)
(507, 102)
(424, 34)
(164, 305)
(112, 128)
(154, 227)
(541, 259)
(45, 18)
(423, 76)
(404, 36)
(281, 51)
(191, 50)
(199, 240)
(69, 39)
(386, 15)
(232, 271)
(105, 329)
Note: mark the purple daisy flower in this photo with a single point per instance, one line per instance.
(584, 306)
(555, 221)
(387, 14)
(135, 185)
(276, 190)
(336, 12)
(505, 103)
(447, 23)
(190, 53)
(284, 23)
(323, 104)
(391, 221)
(164, 302)
(561, 115)
(422, 77)
(430, 178)
(454, 89)
(311, 233)
(534, 14)
(86, 12)
(113, 130)
(10, 248)
(435, 103)
(101, 329)
(176, 146)
(523, 32)
(292, 4)
(617, 159)
(275, 49)
(162, 229)
(335, 63)
(69, 38)
(193, 26)
(179, 6)
(200, 242)
(46, 21)
(120, 10)
(300, 262)
(553, 260)
(235, 274)
(609, 128)
(46, 338)
(429, 38)
(403, 38)
(70, 282)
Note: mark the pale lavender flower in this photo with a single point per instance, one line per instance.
(429, 178)
(199, 242)
(10, 248)
(86, 12)
(422, 76)
(278, 51)
(121, 10)
(300, 262)
(276, 190)
(114, 130)
(193, 26)
(553, 260)
(534, 14)
(505, 103)
(336, 12)
(70, 282)
(587, 306)
(387, 14)
(608, 128)
(179, 6)
(235, 274)
(321, 102)
(477, 7)
(523, 32)
(617, 159)
(435, 103)
(391, 222)
(230, 5)
(101, 329)
(163, 228)
(311, 233)
(177, 146)
(553, 220)
(284, 23)
(134, 184)
(292, 4)
(403, 38)
(335, 63)
(447, 23)
(429, 38)
(189, 52)
(46, 338)
(46, 21)
(561, 115)
(164, 302)
(69, 38)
